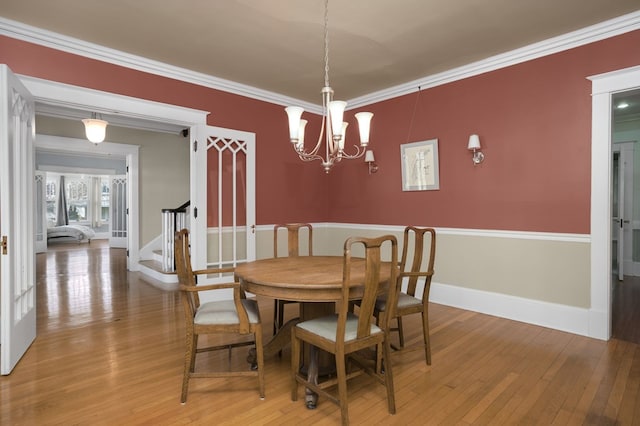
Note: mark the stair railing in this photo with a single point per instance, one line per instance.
(172, 220)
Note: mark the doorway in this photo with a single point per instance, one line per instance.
(113, 151)
(625, 283)
(604, 86)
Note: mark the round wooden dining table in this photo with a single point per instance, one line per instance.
(302, 278)
(314, 281)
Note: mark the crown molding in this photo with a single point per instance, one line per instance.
(593, 33)
(20, 31)
(597, 32)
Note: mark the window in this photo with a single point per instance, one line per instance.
(87, 197)
(104, 199)
(51, 196)
(77, 191)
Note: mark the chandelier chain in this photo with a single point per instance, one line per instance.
(326, 43)
(332, 128)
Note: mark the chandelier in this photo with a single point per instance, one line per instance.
(333, 129)
(95, 128)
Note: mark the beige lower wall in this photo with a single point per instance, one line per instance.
(545, 270)
(551, 268)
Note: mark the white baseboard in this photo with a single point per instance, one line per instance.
(165, 278)
(559, 317)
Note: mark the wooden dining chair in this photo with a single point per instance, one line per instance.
(412, 271)
(239, 316)
(294, 248)
(344, 334)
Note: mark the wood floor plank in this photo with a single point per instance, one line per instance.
(110, 349)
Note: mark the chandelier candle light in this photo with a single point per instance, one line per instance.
(333, 129)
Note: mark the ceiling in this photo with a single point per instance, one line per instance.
(277, 45)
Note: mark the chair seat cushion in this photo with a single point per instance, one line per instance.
(326, 327)
(404, 301)
(224, 312)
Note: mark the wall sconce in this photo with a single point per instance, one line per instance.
(95, 129)
(370, 159)
(474, 145)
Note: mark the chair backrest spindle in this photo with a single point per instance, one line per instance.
(293, 238)
(372, 267)
(417, 235)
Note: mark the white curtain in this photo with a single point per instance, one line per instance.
(62, 217)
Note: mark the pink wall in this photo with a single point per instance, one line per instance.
(534, 121)
(286, 189)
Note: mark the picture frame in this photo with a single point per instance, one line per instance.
(420, 166)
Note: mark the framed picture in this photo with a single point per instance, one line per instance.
(420, 171)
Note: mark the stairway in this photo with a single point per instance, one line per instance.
(161, 264)
(153, 268)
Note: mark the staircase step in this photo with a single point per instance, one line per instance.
(157, 255)
(156, 266)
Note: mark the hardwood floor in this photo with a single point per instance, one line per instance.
(626, 309)
(110, 351)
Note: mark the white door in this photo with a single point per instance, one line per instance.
(222, 197)
(617, 234)
(17, 253)
(118, 210)
(622, 208)
(41, 211)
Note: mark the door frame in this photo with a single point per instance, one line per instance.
(603, 87)
(54, 94)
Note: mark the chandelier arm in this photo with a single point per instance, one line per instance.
(359, 153)
(308, 157)
(314, 151)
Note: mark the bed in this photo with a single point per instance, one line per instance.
(76, 233)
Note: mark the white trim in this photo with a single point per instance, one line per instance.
(603, 86)
(78, 146)
(75, 170)
(559, 317)
(593, 33)
(520, 235)
(68, 96)
(159, 276)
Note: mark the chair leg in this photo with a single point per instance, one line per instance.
(260, 359)
(189, 364)
(400, 332)
(295, 364)
(194, 350)
(388, 376)
(379, 360)
(427, 340)
(341, 372)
